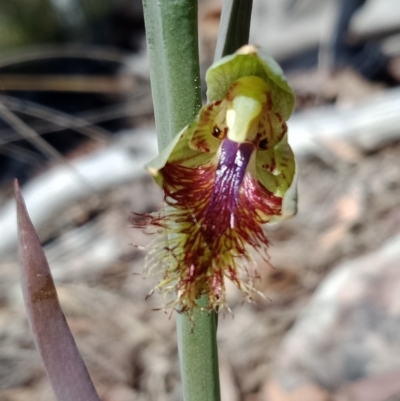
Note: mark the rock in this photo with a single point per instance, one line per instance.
(307, 392)
(346, 341)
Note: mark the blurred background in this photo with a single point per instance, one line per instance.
(76, 128)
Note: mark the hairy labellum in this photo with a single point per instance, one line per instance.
(223, 177)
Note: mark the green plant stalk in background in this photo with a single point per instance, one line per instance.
(234, 27)
(171, 31)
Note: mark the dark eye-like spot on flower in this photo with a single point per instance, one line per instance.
(217, 133)
(263, 144)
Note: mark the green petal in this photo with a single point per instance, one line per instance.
(289, 202)
(155, 165)
(181, 151)
(280, 179)
(211, 119)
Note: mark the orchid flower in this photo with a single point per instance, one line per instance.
(224, 176)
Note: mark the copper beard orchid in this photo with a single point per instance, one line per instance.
(223, 176)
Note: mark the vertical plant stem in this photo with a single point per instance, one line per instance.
(172, 40)
(198, 355)
(234, 27)
(171, 30)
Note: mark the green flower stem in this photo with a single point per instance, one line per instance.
(198, 354)
(171, 30)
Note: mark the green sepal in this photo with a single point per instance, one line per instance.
(250, 61)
